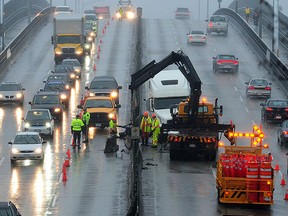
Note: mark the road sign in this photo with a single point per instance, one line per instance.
(135, 133)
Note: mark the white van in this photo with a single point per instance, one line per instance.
(167, 88)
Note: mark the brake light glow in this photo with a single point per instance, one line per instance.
(236, 63)
(251, 88)
(204, 37)
(269, 109)
(268, 88)
(285, 132)
(286, 109)
(210, 25)
(190, 37)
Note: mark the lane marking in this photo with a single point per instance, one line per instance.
(253, 122)
(246, 109)
(241, 98)
(235, 88)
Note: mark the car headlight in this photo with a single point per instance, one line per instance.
(72, 76)
(58, 52)
(90, 39)
(63, 96)
(19, 95)
(79, 52)
(27, 125)
(38, 150)
(118, 15)
(78, 70)
(67, 87)
(130, 15)
(92, 34)
(87, 46)
(48, 124)
(15, 151)
(111, 115)
(1, 96)
(57, 110)
(100, 17)
(91, 94)
(114, 94)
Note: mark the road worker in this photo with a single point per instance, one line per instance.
(247, 13)
(85, 119)
(113, 125)
(145, 128)
(76, 128)
(155, 128)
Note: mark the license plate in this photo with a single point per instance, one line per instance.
(98, 124)
(219, 29)
(192, 145)
(277, 117)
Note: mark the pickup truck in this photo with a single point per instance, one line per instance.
(217, 24)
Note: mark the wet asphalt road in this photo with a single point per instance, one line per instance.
(97, 183)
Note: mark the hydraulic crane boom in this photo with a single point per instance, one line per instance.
(185, 66)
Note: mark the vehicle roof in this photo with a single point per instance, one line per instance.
(104, 78)
(182, 8)
(47, 93)
(10, 82)
(99, 98)
(42, 110)
(27, 133)
(65, 60)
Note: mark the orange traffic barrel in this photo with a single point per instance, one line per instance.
(252, 183)
(265, 175)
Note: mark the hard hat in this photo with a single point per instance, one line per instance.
(153, 115)
(114, 118)
(145, 113)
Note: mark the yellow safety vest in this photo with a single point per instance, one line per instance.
(77, 124)
(86, 118)
(247, 10)
(145, 124)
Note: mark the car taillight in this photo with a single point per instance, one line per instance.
(251, 88)
(285, 132)
(269, 109)
(210, 25)
(190, 37)
(286, 109)
(268, 88)
(236, 63)
(204, 37)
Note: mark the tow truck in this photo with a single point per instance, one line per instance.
(244, 173)
(194, 129)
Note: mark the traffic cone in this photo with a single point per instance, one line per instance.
(103, 31)
(286, 195)
(99, 49)
(64, 174)
(100, 41)
(68, 153)
(283, 182)
(105, 26)
(67, 162)
(277, 167)
(94, 67)
(108, 23)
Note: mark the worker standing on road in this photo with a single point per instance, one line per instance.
(121, 12)
(76, 128)
(113, 125)
(145, 128)
(256, 18)
(155, 128)
(247, 13)
(86, 119)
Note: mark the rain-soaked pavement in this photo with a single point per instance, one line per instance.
(97, 182)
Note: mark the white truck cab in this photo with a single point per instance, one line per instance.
(167, 88)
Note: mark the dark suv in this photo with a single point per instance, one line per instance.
(8, 208)
(48, 100)
(104, 86)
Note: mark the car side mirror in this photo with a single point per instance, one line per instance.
(10, 143)
(261, 104)
(236, 58)
(44, 81)
(118, 106)
(52, 71)
(86, 88)
(30, 102)
(246, 83)
(79, 106)
(23, 89)
(40, 90)
(119, 87)
(206, 20)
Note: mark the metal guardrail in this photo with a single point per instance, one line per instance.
(273, 64)
(13, 48)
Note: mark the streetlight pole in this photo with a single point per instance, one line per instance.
(260, 21)
(208, 9)
(29, 10)
(1, 25)
(275, 38)
(198, 9)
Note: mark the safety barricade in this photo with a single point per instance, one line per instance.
(252, 184)
(265, 175)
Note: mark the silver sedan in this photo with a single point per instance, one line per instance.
(196, 36)
(258, 87)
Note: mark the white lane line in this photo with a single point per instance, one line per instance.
(253, 122)
(241, 98)
(246, 109)
(235, 88)
(2, 159)
(54, 201)
(214, 173)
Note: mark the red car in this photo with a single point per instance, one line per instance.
(225, 63)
